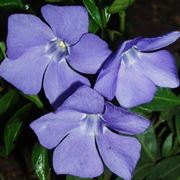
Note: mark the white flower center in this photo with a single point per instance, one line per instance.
(91, 123)
(57, 49)
(129, 57)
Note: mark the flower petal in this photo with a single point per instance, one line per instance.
(124, 121)
(160, 68)
(133, 87)
(151, 44)
(53, 127)
(119, 153)
(26, 72)
(88, 54)
(107, 78)
(58, 78)
(24, 32)
(69, 22)
(85, 100)
(77, 155)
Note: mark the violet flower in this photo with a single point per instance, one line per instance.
(132, 74)
(81, 123)
(36, 50)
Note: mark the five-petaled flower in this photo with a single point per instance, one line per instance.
(35, 50)
(139, 65)
(83, 121)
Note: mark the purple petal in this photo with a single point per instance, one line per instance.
(151, 44)
(69, 22)
(107, 79)
(85, 100)
(119, 153)
(133, 87)
(77, 155)
(58, 78)
(160, 68)
(26, 72)
(124, 121)
(24, 32)
(88, 54)
(53, 127)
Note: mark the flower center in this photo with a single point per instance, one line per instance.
(91, 123)
(57, 50)
(129, 57)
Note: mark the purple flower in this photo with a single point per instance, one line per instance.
(39, 53)
(140, 65)
(83, 121)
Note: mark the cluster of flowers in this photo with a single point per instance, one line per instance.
(86, 131)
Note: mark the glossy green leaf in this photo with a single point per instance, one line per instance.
(163, 100)
(13, 4)
(13, 127)
(93, 11)
(177, 123)
(93, 27)
(40, 162)
(149, 146)
(167, 169)
(167, 145)
(2, 51)
(35, 99)
(8, 100)
(120, 5)
(107, 14)
(142, 171)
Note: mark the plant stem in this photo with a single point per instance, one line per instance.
(122, 16)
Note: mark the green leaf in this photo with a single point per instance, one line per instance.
(177, 123)
(2, 51)
(142, 171)
(163, 100)
(13, 127)
(149, 146)
(76, 178)
(40, 162)
(13, 4)
(8, 100)
(35, 99)
(93, 27)
(120, 5)
(93, 11)
(167, 169)
(167, 145)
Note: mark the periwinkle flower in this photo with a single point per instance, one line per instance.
(132, 74)
(38, 53)
(83, 122)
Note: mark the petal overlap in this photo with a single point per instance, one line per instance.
(53, 127)
(88, 54)
(58, 78)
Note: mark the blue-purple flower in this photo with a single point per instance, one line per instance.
(40, 54)
(83, 121)
(132, 74)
